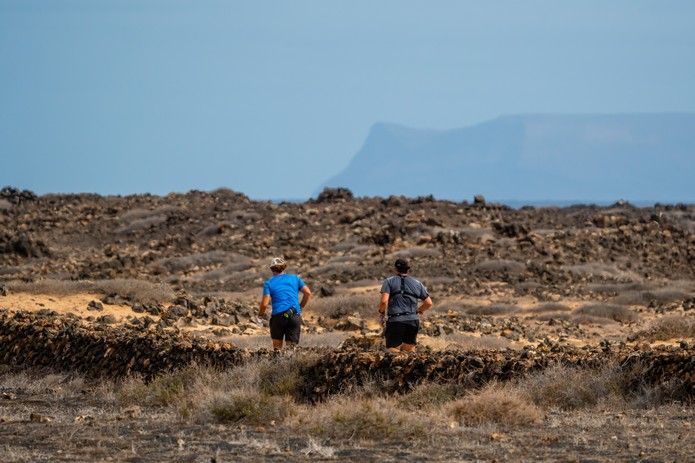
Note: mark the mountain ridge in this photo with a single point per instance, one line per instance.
(595, 157)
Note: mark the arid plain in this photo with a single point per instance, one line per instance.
(128, 330)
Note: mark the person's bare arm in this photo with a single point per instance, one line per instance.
(426, 305)
(384, 303)
(306, 295)
(265, 300)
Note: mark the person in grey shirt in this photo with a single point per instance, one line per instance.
(400, 295)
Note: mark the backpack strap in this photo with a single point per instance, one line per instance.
(403, 292)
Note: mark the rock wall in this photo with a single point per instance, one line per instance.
(65, 343)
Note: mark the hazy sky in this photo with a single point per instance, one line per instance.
(272, 98)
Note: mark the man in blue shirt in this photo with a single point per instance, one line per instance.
(282, 292)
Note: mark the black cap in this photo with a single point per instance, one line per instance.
(402, 265)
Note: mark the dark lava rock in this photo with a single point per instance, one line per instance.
(329, 195)
(177, 311)
(326, 291)
(23, 245)
(107, 320)
(16, 196)
(95, 305)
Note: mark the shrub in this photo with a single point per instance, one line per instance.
(613, 312)
(249, 407)
(570, 388)
(500, 266)
(339, 306)
(165, 390)
(204, 259)
(599, 270)
(428, 395)
(549, 307)
(495, 404)
(282, 376)
(412, 253)
(350, 417)
(660, 296)
(466, 342)
(669, 327)
(494, 309)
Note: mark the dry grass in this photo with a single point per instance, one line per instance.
(494, 309)
(249, 407)
(500, 266)
(669, 327)
(549, 307)
(336, 270)
(603, 271)
(608, 311)
(359, 418)
(254, 393)
(569, 388)
(233, 261)
(615, 288)
(37, 382)
(413, 253)
(658, 296)
(135, 290)
(141, 219)
(495, 404)
(426, 396)
(339, 306)
(465, 342)
(329, 339)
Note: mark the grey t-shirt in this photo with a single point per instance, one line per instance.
(403, 303)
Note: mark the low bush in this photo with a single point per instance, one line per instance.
(494, 309)
(348, 418)
(283, 376)
(495, 404)
(338, 306)
(659, 296)
(466, 342)
(413, 253)
(204, 259)
(669, 327)
(249, 407)
(549, 307)
(428, 395)
(570, 388)
(609, 311)
(500, 266)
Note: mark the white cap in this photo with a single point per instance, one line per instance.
(277, 262)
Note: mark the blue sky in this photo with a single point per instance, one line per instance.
(273, 98)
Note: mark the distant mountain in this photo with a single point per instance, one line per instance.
(532, 157)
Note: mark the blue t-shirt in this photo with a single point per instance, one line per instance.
(283, 290)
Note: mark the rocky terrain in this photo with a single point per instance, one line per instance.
(111, 289)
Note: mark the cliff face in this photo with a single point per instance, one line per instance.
(532, 157)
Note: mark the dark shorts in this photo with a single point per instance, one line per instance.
(398, 333)
(284, 326)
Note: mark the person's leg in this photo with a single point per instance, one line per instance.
(393, 336)
(410, 337)
(407, 347)
(293, 331)
(276, 331)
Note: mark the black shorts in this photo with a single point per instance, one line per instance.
(398, 333)
(286, 326)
